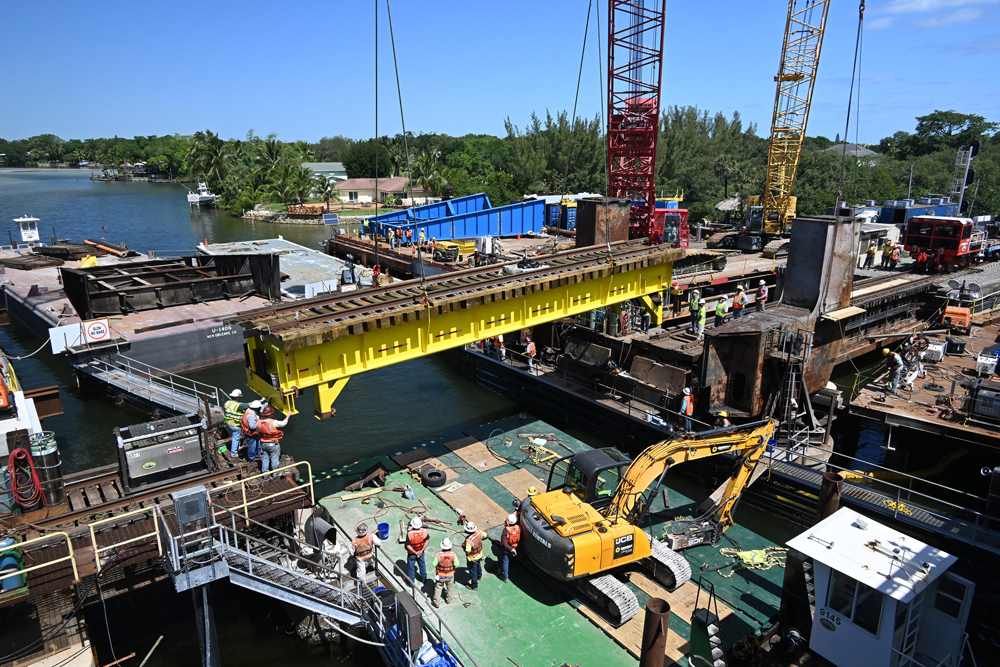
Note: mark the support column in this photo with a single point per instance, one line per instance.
(205, 621)
(654, 633)
(326, 394)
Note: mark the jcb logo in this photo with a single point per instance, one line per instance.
(623, 545)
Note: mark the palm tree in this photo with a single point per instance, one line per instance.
(327, 189)
(725, 166)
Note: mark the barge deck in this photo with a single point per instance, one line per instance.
(531, 620)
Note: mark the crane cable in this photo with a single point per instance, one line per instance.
(604, 125)
(374, 224)
(855, 74)
(576, 99)
(406, 148)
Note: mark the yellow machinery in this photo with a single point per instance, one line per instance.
(589, 522)
(769, 218)
(322, 342)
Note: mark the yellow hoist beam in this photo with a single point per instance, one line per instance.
(324, 357)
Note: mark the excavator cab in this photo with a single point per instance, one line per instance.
(593, 475)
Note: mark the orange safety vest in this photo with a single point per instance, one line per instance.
(409, 233)
(268, 431)
(895, 254)
(416, 541)
(738, 302)
(512, 534)
(446, 564)
(245, 424)
(687, 406)
(364, 547)
(476, 542)
(762, 293)
(531, 348)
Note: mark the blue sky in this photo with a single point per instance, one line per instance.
(304, 68)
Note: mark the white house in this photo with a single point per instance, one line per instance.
(362, 190)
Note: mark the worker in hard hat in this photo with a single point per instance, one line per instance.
(270, 434)
(693, 306)
(524, 502)
(234, 414)
(722, 420)
(444, 567)
(687, 407)
(896, 366)
(249, 432)
(676, 296)
(760, 298)
(509, 540)
(364, 549)
(870, 256)
(702, 319)
(739, 301)
(721, 308)
(894, 256)
(473, 554)
(417, 540)
(886, 253)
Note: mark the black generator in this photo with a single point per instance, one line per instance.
(160, 452)
(985, 398)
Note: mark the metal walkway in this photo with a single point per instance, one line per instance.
(901, 507)
(288, 570)
(149, 385)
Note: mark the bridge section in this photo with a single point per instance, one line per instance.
(322, 342)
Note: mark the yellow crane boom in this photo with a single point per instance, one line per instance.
(796, 79)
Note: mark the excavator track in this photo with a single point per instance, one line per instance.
(669, 568)
(721, 240)
(612, 595)
(776, 248)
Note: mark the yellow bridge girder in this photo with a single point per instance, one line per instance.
(289, 359)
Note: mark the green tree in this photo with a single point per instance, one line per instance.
(359, 160)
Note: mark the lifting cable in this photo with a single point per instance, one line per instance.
(374, 223)
(406, 148)
(604, 126)
(855, 74)
(576, 100)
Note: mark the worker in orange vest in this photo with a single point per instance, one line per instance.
(416, 544)
(739, 301)
(409, 238)
(509, 540)
(248, 426)
(894, 257)
(474, 554)
(761, 296)
(444, 567)
(687, 407)
(364, 549)
(530, 351)
(269, 431)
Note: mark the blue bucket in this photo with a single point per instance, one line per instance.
(383, 531)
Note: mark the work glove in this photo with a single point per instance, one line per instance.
(513, 552)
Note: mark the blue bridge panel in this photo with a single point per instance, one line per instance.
(518, 218)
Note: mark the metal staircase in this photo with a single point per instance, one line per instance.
(206, 553)
(799, 428)
(706, 636)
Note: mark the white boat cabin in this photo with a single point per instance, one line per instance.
(883, 599)
(29, 229)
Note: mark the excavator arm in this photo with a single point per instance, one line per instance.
(748, 442)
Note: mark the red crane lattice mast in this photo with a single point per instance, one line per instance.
(635, 58)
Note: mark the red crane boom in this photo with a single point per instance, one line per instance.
(635, 58)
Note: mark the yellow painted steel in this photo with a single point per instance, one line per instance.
(300, 362)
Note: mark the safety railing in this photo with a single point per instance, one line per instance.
(173, 391)
(247, 503)
(21, 546)
(115, 545)
(976, 523)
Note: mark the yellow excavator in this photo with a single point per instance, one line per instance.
(589, 521)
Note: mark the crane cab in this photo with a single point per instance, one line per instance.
(593, 476)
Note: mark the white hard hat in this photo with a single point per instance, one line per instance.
(701, 301)
(511, 519)
(362, 530)
(470, 527)
(687, 391)
(761, 282)
(416, 523)
(236, 393)
(694, 291)
(446, 544)
(255, 405)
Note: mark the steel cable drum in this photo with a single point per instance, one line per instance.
(48, 466)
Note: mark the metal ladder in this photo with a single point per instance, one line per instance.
(706, 636)
(799, 426)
